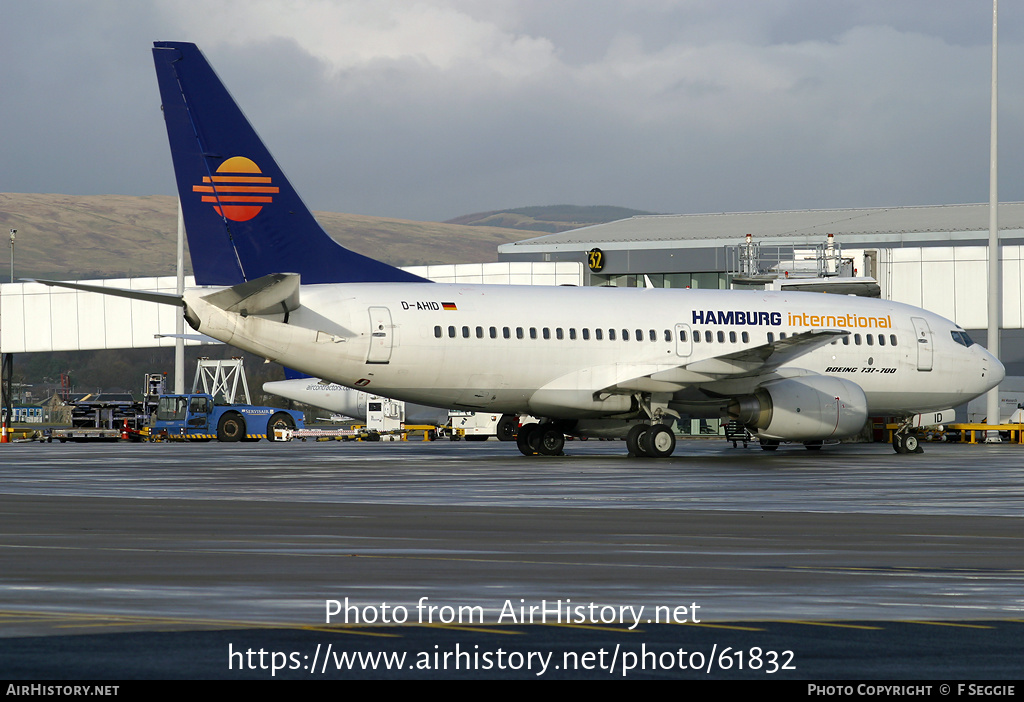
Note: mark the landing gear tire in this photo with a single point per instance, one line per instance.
(231, 427)
(507, 426)
(813, 445)
(528, 439)
(906, 443)
(658, 441)
(769, 444)
(279, 421)
(551, 441)
(634, 440)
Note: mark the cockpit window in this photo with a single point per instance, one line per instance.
(961, 338)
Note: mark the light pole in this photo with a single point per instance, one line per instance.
(13, 232)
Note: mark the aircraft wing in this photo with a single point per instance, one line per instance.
(585, 389)
(757, 361)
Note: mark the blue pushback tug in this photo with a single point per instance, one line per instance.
(210, 412)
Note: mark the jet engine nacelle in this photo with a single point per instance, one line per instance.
(809, 408)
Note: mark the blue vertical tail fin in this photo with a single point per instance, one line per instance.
(242, 216)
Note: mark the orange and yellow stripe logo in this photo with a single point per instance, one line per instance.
(238, 191)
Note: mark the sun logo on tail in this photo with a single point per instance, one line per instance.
(238, 191)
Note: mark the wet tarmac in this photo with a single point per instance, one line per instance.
(204, 537)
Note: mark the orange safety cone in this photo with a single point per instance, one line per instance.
(3, 434)
(124, 430)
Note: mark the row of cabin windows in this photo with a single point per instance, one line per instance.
(858, 339)
(638, 335)
(869, 339)
(546, 333)
(710, 336)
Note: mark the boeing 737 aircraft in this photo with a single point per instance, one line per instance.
(589, 361)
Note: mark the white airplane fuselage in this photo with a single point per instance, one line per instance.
(535, 350)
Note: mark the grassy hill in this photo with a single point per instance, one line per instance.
(106, 236)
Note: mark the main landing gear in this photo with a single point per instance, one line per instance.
(545, 439)
(650, 441)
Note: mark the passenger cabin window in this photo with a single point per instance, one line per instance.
(586, 334)
(437, 332)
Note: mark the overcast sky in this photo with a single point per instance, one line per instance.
(435, 108)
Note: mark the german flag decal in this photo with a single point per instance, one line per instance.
(449, 306)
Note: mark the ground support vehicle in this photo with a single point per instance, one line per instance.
(356, 433)
(480, 426)
(211, 412)
(196, 417)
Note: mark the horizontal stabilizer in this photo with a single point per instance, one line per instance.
(144, 295)
(272, 294)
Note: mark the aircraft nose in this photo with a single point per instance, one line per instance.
(995, 370)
